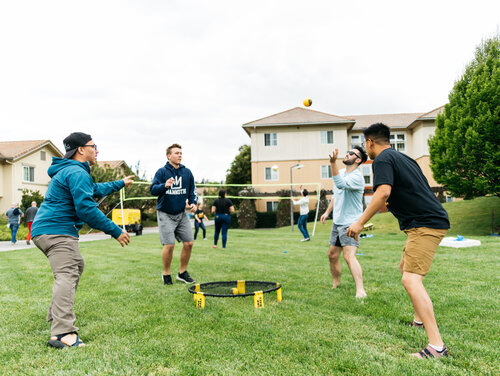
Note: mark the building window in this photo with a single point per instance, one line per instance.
(357, 140)
(326, 137)
(271, 206)
(367, 174)
(326, 172)
(398, 141)
(43, 155)
(270, 139)
(29, 174)
(271, 174)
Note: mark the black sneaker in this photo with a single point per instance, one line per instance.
(184, 277)
(167, 279)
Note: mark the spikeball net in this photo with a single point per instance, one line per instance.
(233, 289)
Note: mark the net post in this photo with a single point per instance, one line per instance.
(122, 193)
(279, 296)
(200, 300)
(196, 290)
(258, 299)
(317, 208)
(240, 285)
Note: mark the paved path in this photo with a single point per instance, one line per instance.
(21, 244)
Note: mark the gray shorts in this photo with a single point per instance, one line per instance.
(339, 238)
(174, 226)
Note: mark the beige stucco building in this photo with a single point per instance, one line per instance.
(305, 137)
(23, 165)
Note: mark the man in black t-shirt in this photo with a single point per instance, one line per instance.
(399, 181)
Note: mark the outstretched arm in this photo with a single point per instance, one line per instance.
(376, 203)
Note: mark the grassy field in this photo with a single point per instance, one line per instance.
(134, 325)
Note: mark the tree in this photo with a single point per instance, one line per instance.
(464, 151)
(240, 172)
(106, 173)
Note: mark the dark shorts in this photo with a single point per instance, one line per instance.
(174, 226)
(339, 238)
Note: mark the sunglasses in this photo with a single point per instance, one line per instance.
(353, 153)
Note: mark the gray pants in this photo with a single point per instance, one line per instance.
(67, 266)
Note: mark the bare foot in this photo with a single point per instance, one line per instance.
(214, 246)
(335, 284)
(361, 294)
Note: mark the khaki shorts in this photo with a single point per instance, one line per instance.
(420, 248)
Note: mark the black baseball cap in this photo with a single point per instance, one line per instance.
(74, 141)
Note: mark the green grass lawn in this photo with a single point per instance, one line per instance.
(134, 325)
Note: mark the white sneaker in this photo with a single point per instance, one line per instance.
(305, 240)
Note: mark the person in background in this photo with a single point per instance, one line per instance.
(304, 214)
(199, 215)
(14, 215)
(30, 217)
(222, 207)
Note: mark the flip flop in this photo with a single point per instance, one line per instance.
(58, 344)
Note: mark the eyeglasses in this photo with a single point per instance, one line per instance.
(89, 146)
(364, 142)
(353, 153)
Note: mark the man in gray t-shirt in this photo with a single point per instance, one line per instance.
(30, 216)
(14, 215)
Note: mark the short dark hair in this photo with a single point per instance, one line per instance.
(377, 132)
(305, 192)
(169, 149)
(222, 193)
(362, 153)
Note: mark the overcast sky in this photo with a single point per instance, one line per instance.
(141, 75)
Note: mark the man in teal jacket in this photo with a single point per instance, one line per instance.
(68, 203)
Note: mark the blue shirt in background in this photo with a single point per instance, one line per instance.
(14, 218)
(348, 197)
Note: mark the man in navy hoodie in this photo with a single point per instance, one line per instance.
(68, 203)
(174, 184)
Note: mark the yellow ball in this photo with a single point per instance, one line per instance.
(307, 102)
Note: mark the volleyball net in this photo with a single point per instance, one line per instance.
(267, 193)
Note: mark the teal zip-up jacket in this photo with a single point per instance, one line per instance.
(69, 201)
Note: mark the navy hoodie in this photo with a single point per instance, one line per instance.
(173, 199)
(69, 201)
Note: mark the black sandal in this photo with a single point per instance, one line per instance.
(58, 344)
(416, 324)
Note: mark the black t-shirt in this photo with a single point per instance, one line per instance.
(411, 201)
(200, 214)
(222, 205)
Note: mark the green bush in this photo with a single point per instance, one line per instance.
(283, 211)
(247, 216)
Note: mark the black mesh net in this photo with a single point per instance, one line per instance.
(228, 289)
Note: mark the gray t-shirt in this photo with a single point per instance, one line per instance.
(30, 213)
(14, 218)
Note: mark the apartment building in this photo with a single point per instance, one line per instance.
(305, 137)
(23, 165)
